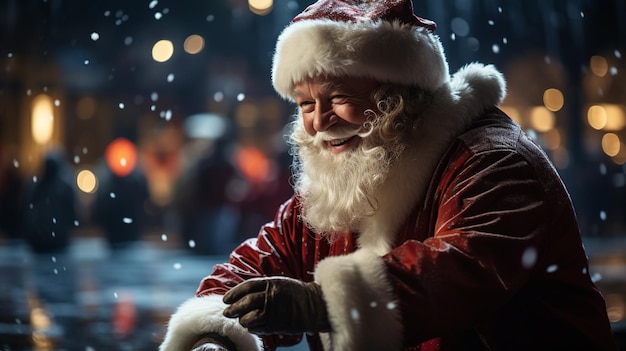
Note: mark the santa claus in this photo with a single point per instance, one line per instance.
(423, 218)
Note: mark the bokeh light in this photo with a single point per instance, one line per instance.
(610, 144)
(541, 119)
(553, 99)
(162, 50)
(121, 157)
(609, 117)
(193, 44)
(42, 123)
(596, 117)
(599, 66)
(86, 181)
(260, 7)
(615, 119)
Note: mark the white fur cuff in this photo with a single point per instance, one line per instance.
(361, 306)
(200, 315)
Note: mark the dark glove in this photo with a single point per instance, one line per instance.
(278, 306)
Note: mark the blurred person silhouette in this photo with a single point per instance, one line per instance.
(11, 194)
(207, 213)
(423, 217)
(266, 171)
(50, 213)
(119, 206)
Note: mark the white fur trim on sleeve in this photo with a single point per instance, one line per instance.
(361, 306)
(200, 315)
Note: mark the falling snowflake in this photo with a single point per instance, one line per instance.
(354, 313)
(596, 277)
(529, 257)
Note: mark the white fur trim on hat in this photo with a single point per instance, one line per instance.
(201, 315)
(385, 51)
(362, 309)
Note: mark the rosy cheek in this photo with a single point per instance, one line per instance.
(352, 115)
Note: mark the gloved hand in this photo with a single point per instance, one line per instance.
(278, 306)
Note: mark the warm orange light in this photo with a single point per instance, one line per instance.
(121, 156)
(193, 44)
(254, 165)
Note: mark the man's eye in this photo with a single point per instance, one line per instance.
(307, 106)
(339, 98)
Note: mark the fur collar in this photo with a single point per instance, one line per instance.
(472, 90)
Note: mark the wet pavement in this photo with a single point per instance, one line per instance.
(91, 298)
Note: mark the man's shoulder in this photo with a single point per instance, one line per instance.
(492, 130)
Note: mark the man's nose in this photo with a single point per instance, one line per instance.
(324, 117)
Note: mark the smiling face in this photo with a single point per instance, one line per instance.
(334, 110)
(343, 157)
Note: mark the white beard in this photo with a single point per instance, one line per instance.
(338, 191)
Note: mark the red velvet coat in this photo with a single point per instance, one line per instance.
(490, 259)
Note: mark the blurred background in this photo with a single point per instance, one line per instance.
(140, 141)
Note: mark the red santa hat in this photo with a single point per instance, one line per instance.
(379, 39)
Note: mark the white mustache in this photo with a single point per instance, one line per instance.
(343, 132)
